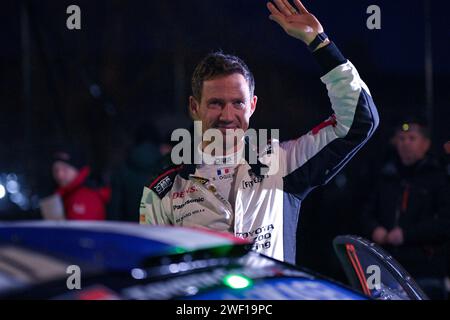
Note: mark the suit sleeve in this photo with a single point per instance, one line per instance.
(153, 209)
(318, 156)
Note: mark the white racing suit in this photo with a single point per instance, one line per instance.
(267, 207)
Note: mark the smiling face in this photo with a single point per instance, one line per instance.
(226, 103)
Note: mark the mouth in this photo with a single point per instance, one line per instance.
(224, 129)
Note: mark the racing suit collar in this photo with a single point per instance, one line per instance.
(255, 168)
(234, 158)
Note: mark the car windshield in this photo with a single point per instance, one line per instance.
(374, 272)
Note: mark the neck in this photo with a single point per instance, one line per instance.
(211, 155)
(220, 152)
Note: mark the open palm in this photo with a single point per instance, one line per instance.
(298, 23)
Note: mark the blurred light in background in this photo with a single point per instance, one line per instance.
(405, 127)
(11, 177)
(2, 191)
(12, 186)
(20, 200)
(138, 274)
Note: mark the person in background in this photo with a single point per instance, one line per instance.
(129, 179)
(81, 201)
(409, 212)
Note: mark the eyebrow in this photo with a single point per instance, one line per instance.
(212, 100)
(219, 100)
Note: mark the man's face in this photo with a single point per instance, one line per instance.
(225, 104)
(63, 173)
(411, 146)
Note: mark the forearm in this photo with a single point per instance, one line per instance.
(351, 101)
(328, 56)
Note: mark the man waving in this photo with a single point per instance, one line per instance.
(227, 191)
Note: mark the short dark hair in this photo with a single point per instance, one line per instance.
(218, 64)
(71, 154)
(421, 124)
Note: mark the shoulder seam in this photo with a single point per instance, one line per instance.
(164, 174)
(164, 182)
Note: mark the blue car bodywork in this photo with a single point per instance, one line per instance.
(128, 261)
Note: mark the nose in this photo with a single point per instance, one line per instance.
(407, 143)
(227, 113)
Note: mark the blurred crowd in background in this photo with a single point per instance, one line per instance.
(88, 114)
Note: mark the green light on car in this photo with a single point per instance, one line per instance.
(236, 281)
(179, 250)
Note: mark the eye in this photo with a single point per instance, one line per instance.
(215, 104)
(239, 104)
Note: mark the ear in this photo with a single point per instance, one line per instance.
(253, 102)
(393, 141)
(194, 107)
(427, 144)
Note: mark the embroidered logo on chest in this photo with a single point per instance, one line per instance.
(224, 174)
(182, 194)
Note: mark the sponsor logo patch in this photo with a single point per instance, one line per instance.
(163, 185)
(182, 194)
(221, 172)
(261, 237)
(199, 179)
(180, 206)
(224, 174)
(188, 214)
(251, 183)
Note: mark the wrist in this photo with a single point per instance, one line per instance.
(323, 44)
(320, 41)
(329, 57)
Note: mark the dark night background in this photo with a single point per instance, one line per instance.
(131, 63)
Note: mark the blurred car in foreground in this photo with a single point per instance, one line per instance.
(106, 260)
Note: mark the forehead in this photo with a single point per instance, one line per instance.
(61, 165)
(413, 133)
(226, 87)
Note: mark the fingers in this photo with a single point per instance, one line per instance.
(300, 6)
(276, 15)
(283, 8)
(273, 10)
(278, 19)
(291, 9)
